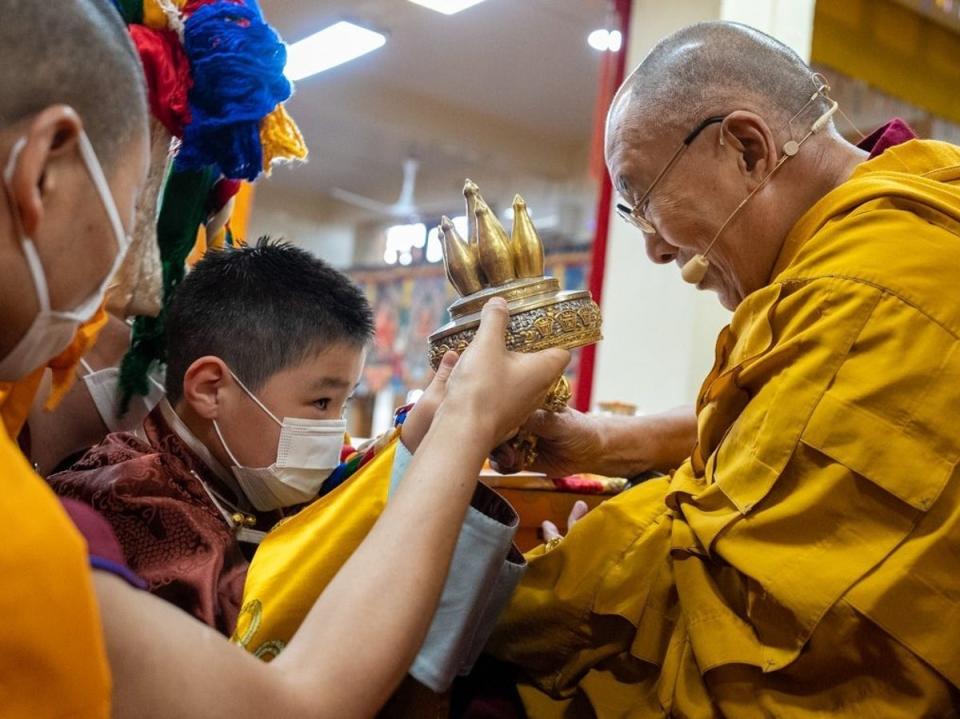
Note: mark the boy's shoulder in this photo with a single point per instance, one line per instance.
(126, 467)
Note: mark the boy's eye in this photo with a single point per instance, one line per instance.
(322, 404)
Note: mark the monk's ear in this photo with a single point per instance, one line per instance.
(749, 136)
(51, 135)
(203, 384)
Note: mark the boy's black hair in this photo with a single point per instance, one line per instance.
(261, 308)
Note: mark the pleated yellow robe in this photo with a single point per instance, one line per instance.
(805, 561)
(53, 662)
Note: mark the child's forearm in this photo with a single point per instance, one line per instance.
(400, 567)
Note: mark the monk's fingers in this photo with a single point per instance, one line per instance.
(550, 531)
(505, 459)
(580, 508)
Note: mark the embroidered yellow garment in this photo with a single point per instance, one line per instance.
(52, 659)
(300, 556)
(805, 561)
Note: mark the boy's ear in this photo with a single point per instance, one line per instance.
(202, 383)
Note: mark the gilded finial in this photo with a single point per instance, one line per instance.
(459, 259)
(526, 244)
(471, 192)
(493, 245)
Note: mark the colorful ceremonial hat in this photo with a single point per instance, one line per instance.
(215, 73)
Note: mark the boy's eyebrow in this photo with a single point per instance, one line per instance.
(333, 383)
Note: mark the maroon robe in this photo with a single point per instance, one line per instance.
(173, 535)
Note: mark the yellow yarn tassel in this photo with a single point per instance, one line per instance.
(281, 139)
(156, 13)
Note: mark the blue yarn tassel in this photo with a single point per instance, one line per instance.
(236, 62)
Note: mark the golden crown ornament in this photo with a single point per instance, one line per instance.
(491, 264)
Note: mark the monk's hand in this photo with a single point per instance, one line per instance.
(496, 388)
(550, 531)
(568, 442)
(420, 418)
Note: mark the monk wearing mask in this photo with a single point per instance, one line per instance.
(82, 638)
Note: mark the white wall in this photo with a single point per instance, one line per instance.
(659, 332)
(304, 226)
(790, 21)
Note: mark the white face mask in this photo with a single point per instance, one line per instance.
(52, 331)
(103, 386)
(308, 451)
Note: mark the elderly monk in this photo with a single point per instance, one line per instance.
(805, 559)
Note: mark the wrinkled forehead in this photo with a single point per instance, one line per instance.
(636, 151)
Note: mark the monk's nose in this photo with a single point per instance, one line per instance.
(658, 250)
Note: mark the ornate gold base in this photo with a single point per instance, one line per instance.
(542, 316)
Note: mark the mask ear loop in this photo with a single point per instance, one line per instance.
(696, 268)
(256, 399)
(29, 249)
(223, 443)
(251, 395)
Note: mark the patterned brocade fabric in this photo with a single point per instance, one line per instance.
(150, 488)
(172, 534)
(104, 550)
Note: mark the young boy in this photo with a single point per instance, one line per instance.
(264, 347)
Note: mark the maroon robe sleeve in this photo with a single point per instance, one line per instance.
(102, 545)
(169, 532)
(895, 132)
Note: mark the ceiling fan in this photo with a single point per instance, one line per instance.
(403, 208)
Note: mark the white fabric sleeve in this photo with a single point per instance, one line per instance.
(503, 588)
(484, 571)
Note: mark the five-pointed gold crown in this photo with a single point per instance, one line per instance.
(489, 263)
(489, 258)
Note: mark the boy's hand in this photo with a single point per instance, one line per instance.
(497, 389)
(420, 417)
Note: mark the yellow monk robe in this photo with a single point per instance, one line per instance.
(52, 659)
(300, 556)
(805, 561)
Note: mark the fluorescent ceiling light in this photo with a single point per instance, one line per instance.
(330, 47)
(447, 7)
(605, 40)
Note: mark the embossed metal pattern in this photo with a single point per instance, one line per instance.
(567, 323)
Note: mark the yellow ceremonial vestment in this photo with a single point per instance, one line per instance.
(299, 557)
(805, 561)
(52, 658)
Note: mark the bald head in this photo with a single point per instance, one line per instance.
(76, 53)
(727, 192)
(713, 68)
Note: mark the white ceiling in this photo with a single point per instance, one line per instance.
(505, 88)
